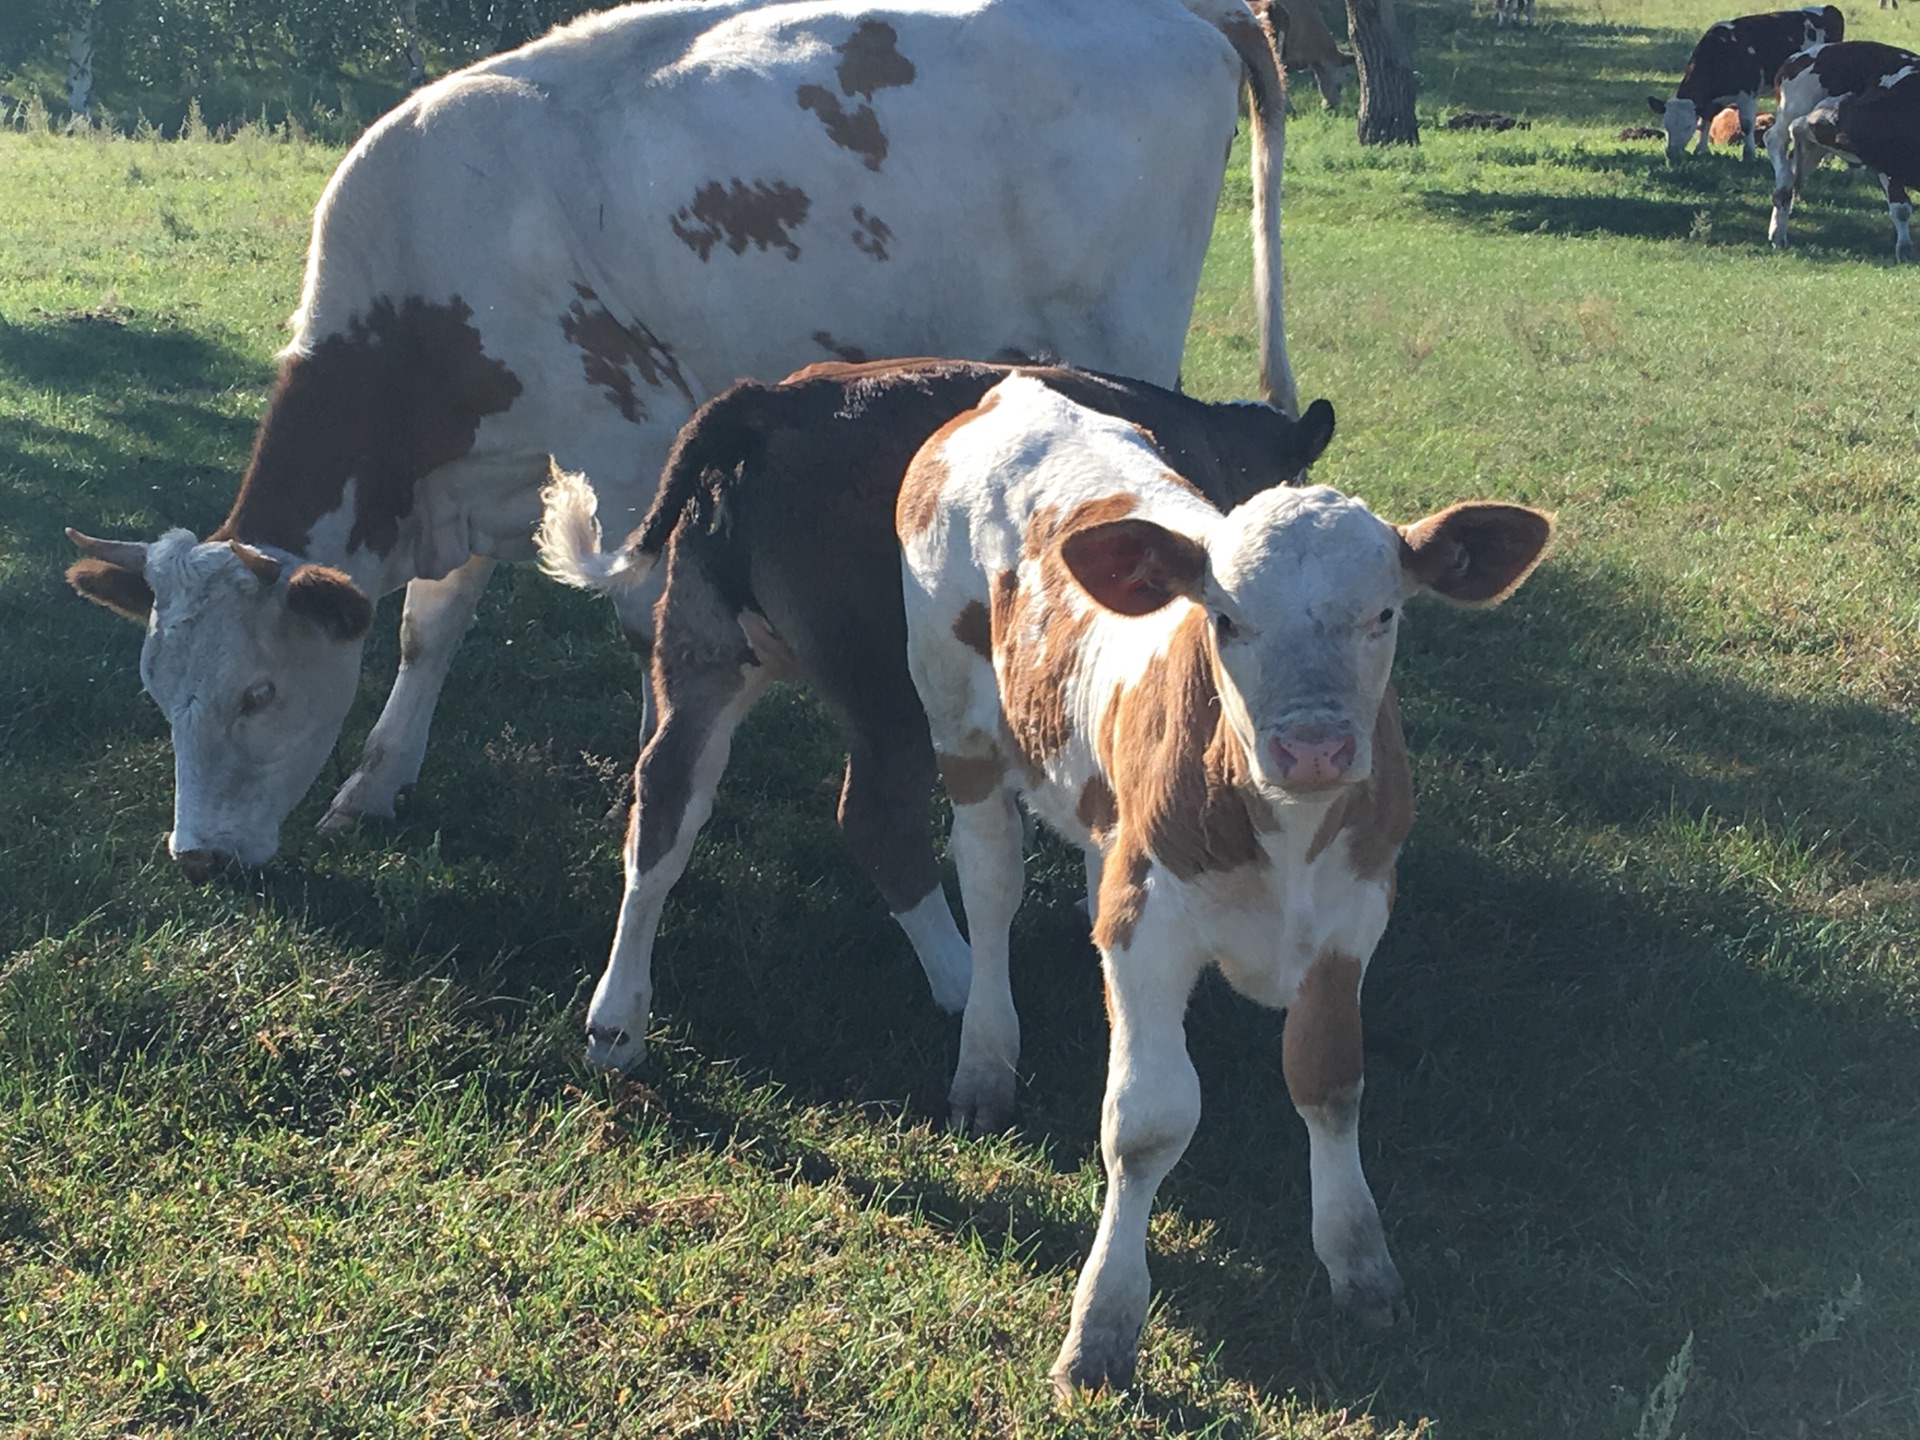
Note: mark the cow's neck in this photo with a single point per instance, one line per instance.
(353, 427)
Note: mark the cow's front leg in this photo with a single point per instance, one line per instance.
(1900, 210)
(1782, 150)
(1152, 1106)
(985, 843)
(1748, 109)
(1321, 1058)
(699, 707)
(438, 613)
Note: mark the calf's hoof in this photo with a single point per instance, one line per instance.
(950, 988)
(982, 1104)
(1904, 252)
(611, 1048)
(1376, 1299)
(1094, 1358)
(361, 798)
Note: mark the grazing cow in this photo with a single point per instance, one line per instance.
(558, 252)
(1307, 44)
(775, 515)
(1859, 100)
(1508, 12)
(1202, 700)
(1733, 62)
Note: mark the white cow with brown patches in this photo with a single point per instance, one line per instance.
(556, 254)
(1202, 702)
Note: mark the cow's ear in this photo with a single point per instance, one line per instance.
(1312, 431)
(1474, 553)
(123, 591)
(1134, 566)
(1656, 105)
(326, 598)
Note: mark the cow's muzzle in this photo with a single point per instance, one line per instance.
(1313, 756)
(200, 866)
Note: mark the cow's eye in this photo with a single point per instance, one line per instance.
(1386, 616)
(1224, 628)
(257, 697)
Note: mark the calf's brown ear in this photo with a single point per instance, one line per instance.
(1134, 566)
(1475, 553)
(125, 592)
(323, 596)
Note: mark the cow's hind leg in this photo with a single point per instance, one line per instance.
(1748, 106)
(1900, 210)
(1152, 1107)
(703, 684)
(986, 850)
(1785, 147)
(437, 615)
(883, 814)
(1320, 1056)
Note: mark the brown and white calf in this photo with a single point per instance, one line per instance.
(1307, 44)
(1859, 100)
(1732, 64)
(776, 520)
(1200, 700)
(558, 252)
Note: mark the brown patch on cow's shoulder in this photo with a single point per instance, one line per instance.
(926, 478)
(1320, 1048)
(855, 130)
(611, 354)
(970, 778)
(869, 60)
(1038, 626)
(740, 215)
(385, 402)
(973, 629)
(1376, 814)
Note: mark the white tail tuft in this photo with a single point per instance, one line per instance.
(569, 538)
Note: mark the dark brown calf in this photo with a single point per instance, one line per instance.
(775, 518)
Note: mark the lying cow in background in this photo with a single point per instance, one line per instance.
(1859, 100)
(1307, 44)
(1725, 128)
(1732, 64)
(776, 519)
(1202, 699)
(558, 252)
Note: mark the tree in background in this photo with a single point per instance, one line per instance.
(1387, 84)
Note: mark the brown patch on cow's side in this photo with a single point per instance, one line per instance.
(1096, 808)
(855, 130)
(871, 234)
(973, 629)
(970, 778)
(852, 354)
(612, 353)
(1320, 1052)
(926, 478)
(1377, 814)
(1123, 895)
(397, 394)
(740, 215)
(869, 60)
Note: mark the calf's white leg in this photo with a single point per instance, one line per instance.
(1900, 210)
(1151, 1109)
(1748, 107)
(986, 850)
(438, 613)
(1321, 1058)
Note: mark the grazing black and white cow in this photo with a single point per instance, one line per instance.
(1732, 64)
(1510, 12)
(775, 517)
(1202, 701)
(1859, 100)
(560, 251)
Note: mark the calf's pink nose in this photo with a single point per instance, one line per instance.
(1313, 755)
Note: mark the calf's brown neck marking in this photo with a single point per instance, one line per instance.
(397, 394)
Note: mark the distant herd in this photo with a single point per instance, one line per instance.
(1024, 566)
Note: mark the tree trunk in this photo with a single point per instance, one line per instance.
(1386, 75)
(80, 58)
(410, 47)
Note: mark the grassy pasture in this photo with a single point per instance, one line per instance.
(313, 1152)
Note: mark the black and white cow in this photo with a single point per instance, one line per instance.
(1732, 63)
(1859, 100)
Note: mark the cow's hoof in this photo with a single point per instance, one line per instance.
(950, 987)
(981, 1104)
(1903, 252)
(611, 1048)
(1093, 1359)
(1377, 1300)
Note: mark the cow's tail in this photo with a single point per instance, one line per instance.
(1249, 31)
(568, 539)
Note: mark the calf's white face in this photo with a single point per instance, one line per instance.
(1303, 590)
(1681, 120)
(254, 668)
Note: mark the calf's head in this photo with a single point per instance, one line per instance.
(1303, 590)
(253, 660)
(1680, 119)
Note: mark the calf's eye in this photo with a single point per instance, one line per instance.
(257, 697)
(1224, 628)
(1386, 616)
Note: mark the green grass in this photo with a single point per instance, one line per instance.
(313, 1152)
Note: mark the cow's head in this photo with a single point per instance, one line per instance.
(1680, 119)
(254, 661)
(1303, 589)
